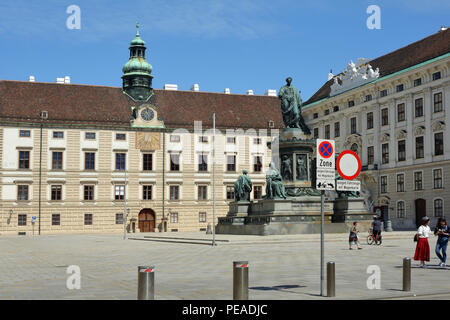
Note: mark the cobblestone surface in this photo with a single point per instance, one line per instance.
(35, 267)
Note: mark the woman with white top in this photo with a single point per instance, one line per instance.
(423, 248)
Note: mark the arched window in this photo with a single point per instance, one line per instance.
(401, 209)
(438, 208)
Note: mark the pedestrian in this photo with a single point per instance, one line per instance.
(442, 231)
(354, 237)
(423, 248)
(376, 227)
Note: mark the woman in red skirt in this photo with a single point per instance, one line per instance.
(423, 248)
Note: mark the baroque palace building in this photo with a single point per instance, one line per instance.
(394, 112)
(77, 157)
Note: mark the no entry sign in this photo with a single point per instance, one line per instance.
(325, 179)
(348, 165)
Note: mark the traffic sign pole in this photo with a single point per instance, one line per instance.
(322, 240)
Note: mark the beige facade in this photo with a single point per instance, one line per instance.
(193, 210)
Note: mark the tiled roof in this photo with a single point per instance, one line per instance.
(428, 48)
(99, 105)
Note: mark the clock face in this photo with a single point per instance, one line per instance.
(147, 114)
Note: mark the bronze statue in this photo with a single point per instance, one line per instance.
(274, 184)
(286, 167)
(243, 187)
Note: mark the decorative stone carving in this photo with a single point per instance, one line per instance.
(438, 125)
(385, 137)
(370, 139)
(352, 139)
(419, 130)
(402, 134)
(353, 76)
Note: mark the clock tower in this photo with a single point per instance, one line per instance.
(137, 78)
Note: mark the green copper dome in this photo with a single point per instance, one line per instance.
(137, 65)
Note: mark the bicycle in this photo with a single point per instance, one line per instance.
(371, 239)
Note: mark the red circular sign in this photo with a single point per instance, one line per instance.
(348, 165)
(325, 149)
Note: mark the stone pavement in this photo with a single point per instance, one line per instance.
(281, 267)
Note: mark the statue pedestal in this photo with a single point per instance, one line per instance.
(349, 210)
(239, 208)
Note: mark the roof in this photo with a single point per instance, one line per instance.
(428, 48)
(100, 105)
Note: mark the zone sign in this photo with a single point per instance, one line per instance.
(325, 162)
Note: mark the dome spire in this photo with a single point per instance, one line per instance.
(137, 29)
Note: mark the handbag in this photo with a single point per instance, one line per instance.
(416, 237)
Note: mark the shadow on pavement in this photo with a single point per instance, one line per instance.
(281, 287)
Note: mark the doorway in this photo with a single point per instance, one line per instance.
(147, 220)
(421, 211)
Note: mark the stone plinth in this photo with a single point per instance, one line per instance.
(349, 210)
(239, 209)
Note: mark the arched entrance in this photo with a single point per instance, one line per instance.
(421, 210)
(147, 220)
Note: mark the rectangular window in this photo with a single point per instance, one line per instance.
(147, 164)
(56, 192)
(438, 144)
(231, 140)
(335, 108)
(119, 192)
(417, 82)
(399, 87)
(174, 138)
(121, 136)
(326, 112)
(257, 192)
(370, 155)
(383, 93)
(418, 107)
(24, 133)
(89, 161)
(203, 139)
(436, 75)
(88, 192)
(24, 159)
(57, 160)
(89, 135)
(22, 219)
(202, 192)
(400, 182)
(402, 150)
(419, 148)
(400, 209)
(337, 129)
(230, 193)
(316, 133)
(351, 103)
(22, 192)
(174, 162)
(315, 115)
(327, 131)
(383, 184)
(401, 114)
(438, 102)
(438, 208)
(174, 192)
(119, 218)
(88, 219)
(353, 125)
(58, 134)
(370, 120)
(56, 219)
(385, 153)
(368, 98)
(202, 217)
(174, 217)
(147, 192)
(437, 178)
(120, 161)
(231, 163)
(257, 164)
(418, 180)
(202, 162)
(384, 117)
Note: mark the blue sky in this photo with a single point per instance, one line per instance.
(218, 44)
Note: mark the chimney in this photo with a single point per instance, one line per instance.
(443, 28)
(195, 87)
(250, 92)
(66, 79)
(271, 92)
(59, 80)
(226, 91)
(31, 79)
(168, 86)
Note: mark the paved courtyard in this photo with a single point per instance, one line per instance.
(280, 267)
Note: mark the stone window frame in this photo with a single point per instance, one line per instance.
(56, 219)
(416, 182)
(436, 199)
(403, 186)
(401, 210)
(441, 178)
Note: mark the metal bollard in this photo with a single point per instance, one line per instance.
(146, 283)
(331, 279)
(406, 274)
(240, 280)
